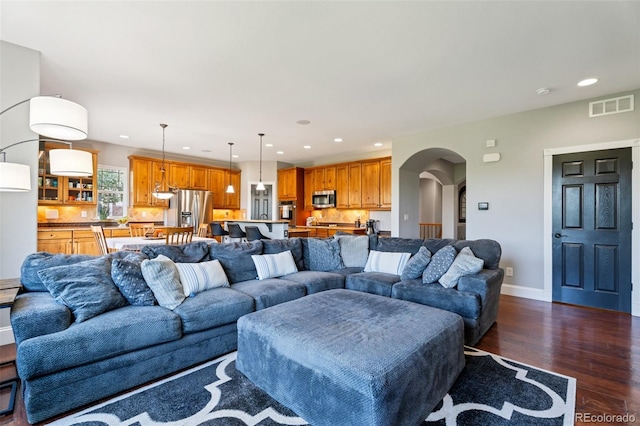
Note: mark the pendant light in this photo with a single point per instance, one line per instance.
(230, 189)
(158, 192)
(260, 186)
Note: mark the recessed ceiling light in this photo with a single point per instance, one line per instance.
(235, 156)
(377, 144)
(280, 152)
(268, 145)
(186, 147)
(337, 140)
(587, 82)
(307, 147)
(124, 136)
(206, 150)
(543, 91)
(303, 122)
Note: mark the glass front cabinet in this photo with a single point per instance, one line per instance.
(65, 189)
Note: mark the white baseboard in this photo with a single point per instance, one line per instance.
(6, 336)
(526, 292)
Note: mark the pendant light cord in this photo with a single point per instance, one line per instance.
(261, 135)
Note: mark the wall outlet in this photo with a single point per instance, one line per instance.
(144, 214)
(406, 216)
(509, 271)
(84, 213)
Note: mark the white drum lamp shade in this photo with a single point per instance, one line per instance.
(14, 177)
(70, 162)
(58, 118)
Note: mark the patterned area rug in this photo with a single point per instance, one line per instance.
(491, 390)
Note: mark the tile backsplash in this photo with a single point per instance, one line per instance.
(73, 214)
(340, 216)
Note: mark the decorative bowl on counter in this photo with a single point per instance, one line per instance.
(122, 221)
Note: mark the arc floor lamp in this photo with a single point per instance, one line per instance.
(56, 118)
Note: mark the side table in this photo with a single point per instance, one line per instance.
(9, 289)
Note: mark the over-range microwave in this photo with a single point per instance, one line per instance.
(323, 199)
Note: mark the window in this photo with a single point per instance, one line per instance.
(112, 194)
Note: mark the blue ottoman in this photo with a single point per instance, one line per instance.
(342, 357)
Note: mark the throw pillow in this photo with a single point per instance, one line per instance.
(323, 255)
(127, 276)
(236, 259)
(163, 279)
(354, 250)
(197, 277)
(278, 246)
(415, 266)
(387, 262)
(439, 264)
(85, 287)
(196, 251)
(465, 263)
(42, 260)
(274, 265)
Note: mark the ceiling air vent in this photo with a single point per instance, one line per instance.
(611, 106)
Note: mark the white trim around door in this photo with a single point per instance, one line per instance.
(634, 144)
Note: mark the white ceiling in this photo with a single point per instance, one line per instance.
(367, 71)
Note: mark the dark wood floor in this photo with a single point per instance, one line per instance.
(600, 349)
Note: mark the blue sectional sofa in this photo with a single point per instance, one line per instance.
(88, 327)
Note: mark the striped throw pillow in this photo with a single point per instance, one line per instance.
(387, 262)
(201, 276)
(274, 265)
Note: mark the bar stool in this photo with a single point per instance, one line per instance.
(235, 233)
(218, 231)
(253, 233)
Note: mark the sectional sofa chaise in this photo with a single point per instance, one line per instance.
(89, 327)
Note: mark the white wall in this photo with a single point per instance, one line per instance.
(430, 201)
(19, 80)
(513, 187)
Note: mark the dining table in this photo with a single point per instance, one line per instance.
(136, 243)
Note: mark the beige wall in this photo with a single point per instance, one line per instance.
(513, 186)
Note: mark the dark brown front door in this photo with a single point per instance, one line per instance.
(592, 229)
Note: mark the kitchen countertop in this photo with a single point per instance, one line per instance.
(341, 228)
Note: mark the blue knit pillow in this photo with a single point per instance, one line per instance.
(85, 287)
(415, 266)
(127, 275)
(324, 255)
(439, 265)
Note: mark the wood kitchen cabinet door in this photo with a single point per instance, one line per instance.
(232, 201)
(179, 175)
(287, 184)
(55, 241)
(198, 178)
(84, 243)
(324, 178)
(355, 186)
(309, 187)
(385, 183)
(141, 182)
(217, 185)
(342, 186)
(370, 184)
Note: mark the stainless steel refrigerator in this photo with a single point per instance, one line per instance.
(189, 207)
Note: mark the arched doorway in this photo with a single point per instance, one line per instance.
(430, 184)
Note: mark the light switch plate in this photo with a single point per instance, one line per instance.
(491, 143)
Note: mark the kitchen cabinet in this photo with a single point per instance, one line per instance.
(232, 201)
(348, 186)
(385, 183)
(217, 185)
(309, 186)
(144, 173)
(376, 184)
(54, 241)
(68, 190)
(198, 177)
(290, 183)
(179, 175)
(74, 241)
(324, 178)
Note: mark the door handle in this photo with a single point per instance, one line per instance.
(559, 235)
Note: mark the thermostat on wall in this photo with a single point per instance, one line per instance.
(483, 206)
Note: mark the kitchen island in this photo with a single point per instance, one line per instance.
(274, 229)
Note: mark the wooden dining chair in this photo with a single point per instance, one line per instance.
(203, 230)
(178, 235)
(98, 233)
(141, 229)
